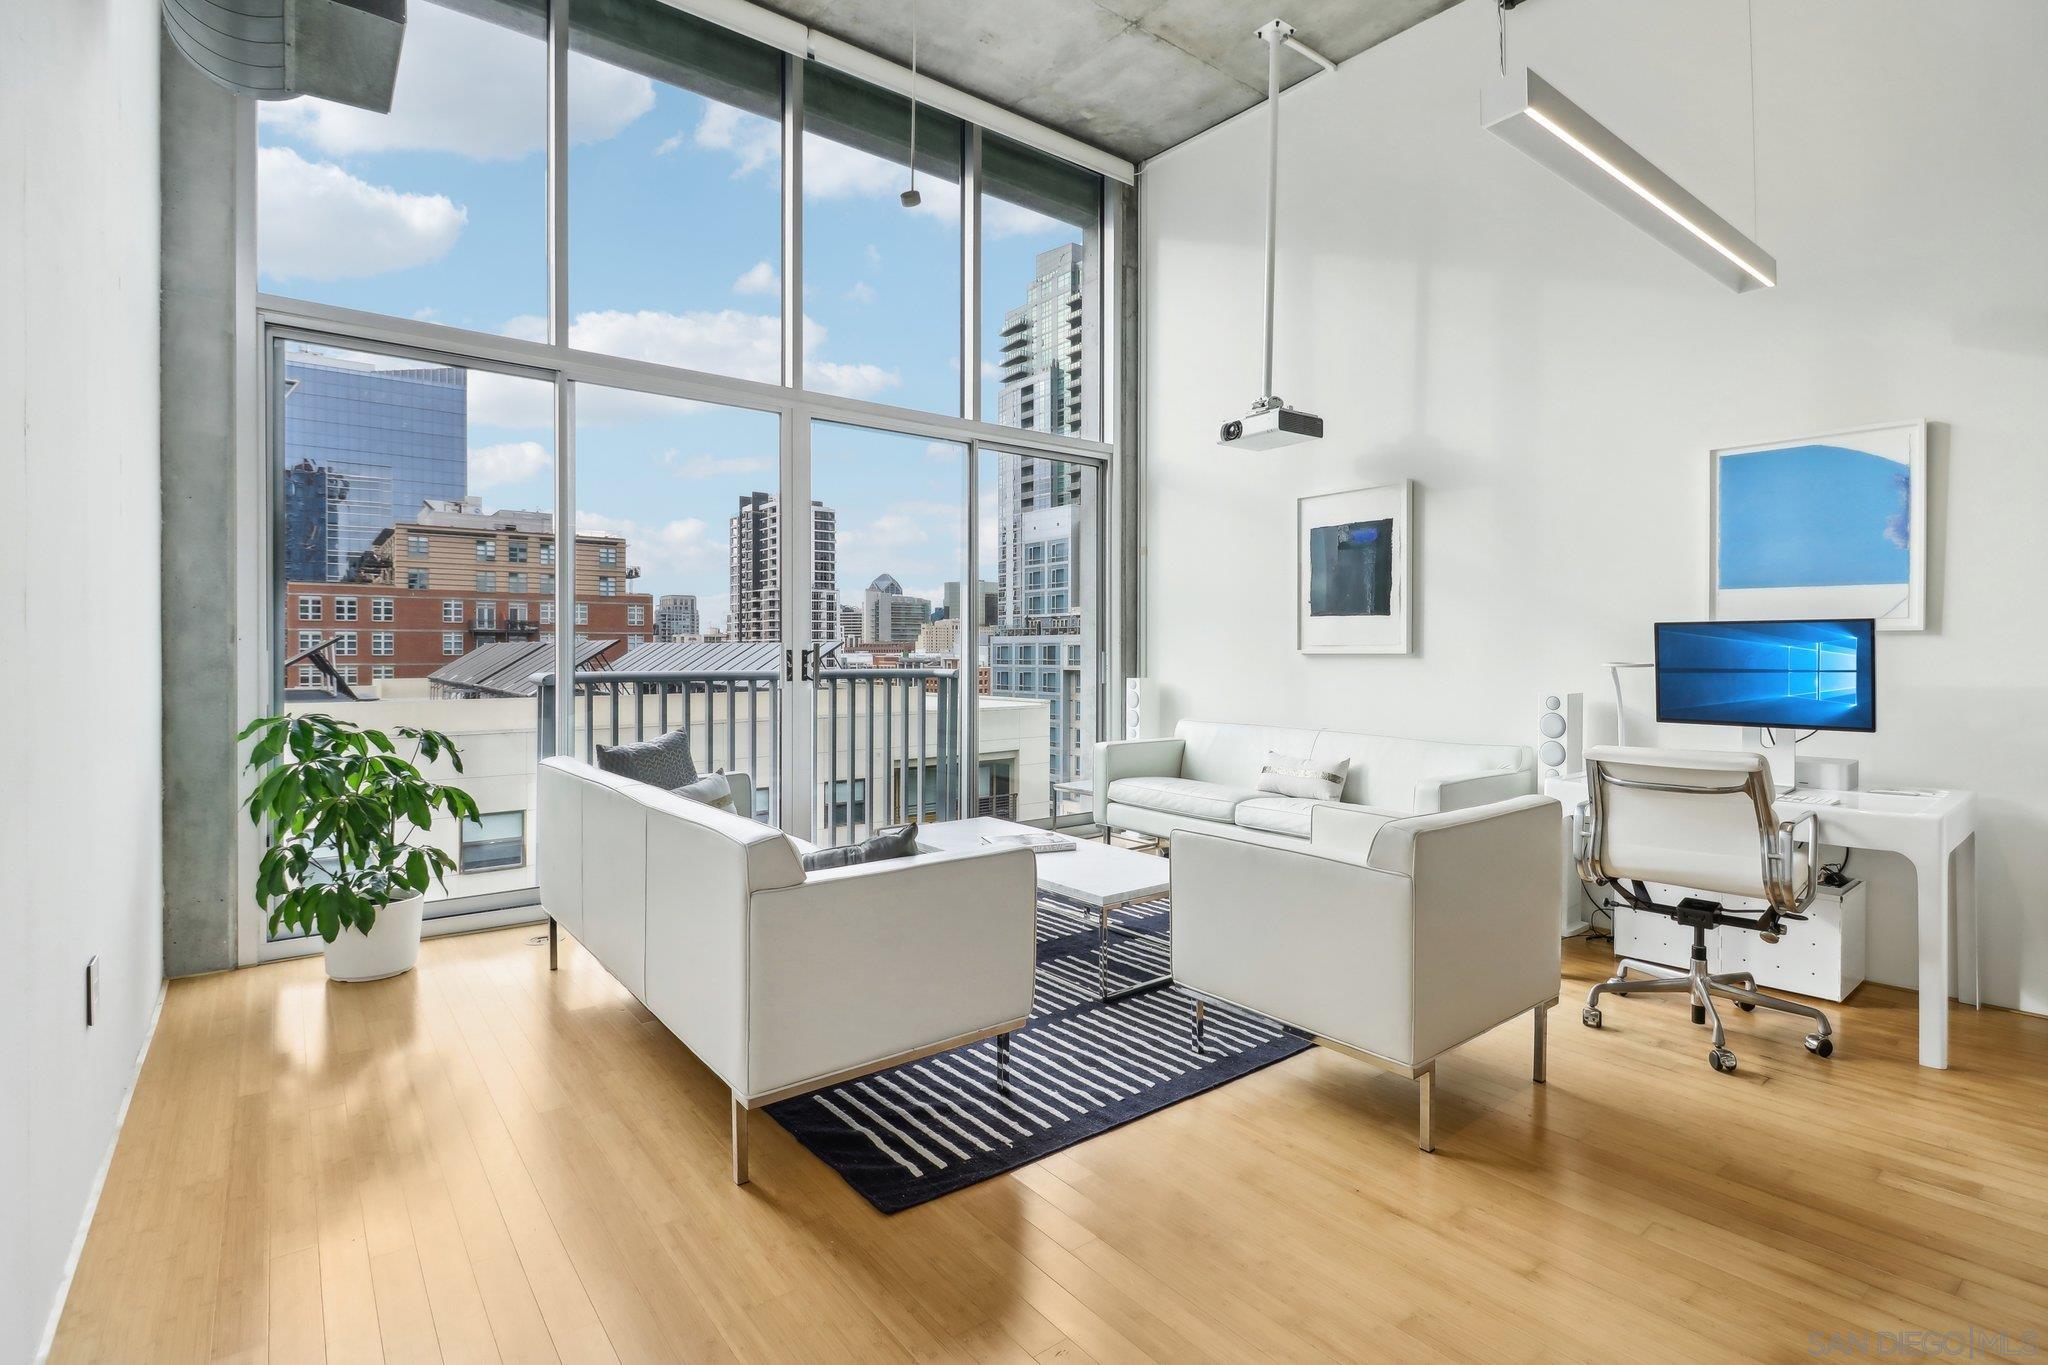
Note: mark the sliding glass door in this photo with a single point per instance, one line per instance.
(887, 666)
(676, 616)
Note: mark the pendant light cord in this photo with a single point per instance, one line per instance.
(1755, 211)
(913, 94)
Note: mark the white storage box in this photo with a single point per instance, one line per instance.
(1821, 956)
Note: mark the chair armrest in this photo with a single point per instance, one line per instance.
(1461, 791)
(742, 785)
(1121, 758)
(1315, 937)
(1399, 843)
(862, 963)
(1486, 924)
(1334, 825)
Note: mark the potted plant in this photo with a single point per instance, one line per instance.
(344, 811)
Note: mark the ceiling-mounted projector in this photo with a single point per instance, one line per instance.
(1271, 422)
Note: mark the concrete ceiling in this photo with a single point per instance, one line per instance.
(1133, 77)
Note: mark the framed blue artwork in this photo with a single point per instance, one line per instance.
(1824, 526)
(1356, 553)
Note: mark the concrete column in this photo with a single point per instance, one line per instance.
(199, 521)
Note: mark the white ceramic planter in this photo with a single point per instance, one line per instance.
(392, 945)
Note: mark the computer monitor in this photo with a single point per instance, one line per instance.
(1768, 675)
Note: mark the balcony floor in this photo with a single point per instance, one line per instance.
(481, 1160)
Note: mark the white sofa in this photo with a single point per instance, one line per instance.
(781, 981)
(1393, 939)
(1206, 776)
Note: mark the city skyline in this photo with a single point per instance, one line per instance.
(461, 187)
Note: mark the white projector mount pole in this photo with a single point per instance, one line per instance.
(1276, 34)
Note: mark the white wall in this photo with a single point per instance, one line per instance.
(80, 870)
(1551, 378)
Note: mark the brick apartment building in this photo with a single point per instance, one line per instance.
(451, 580)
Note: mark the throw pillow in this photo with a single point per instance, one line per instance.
(900, 842)
(1285, 775)
(711, 790)
(663, 761)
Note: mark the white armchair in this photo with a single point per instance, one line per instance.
(1392, 939)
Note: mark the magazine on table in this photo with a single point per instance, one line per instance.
(1037, 843)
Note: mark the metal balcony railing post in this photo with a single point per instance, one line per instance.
(832, 802)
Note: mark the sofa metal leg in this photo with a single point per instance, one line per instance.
(1426, 1090)
(1201, 1020)
(1542, 1013)
(739, 1141)
(552, 942)
(1003, 1062)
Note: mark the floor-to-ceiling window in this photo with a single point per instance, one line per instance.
(741, 380)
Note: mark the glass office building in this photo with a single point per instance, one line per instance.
(363, 447)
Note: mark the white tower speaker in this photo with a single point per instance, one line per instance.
(1137, 706)
(1560, 735)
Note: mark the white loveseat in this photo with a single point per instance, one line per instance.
(1391, 939)
(1206, 777)
(782, 981)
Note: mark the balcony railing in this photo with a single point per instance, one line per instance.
(884, 741)
(626, 708)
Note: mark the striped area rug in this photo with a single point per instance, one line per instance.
(1080, 1067)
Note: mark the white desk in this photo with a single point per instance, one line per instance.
(1937, 835)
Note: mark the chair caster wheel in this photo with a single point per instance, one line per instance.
(1745, 1007)
(1722, 1060)
(1590, 1016)
(1819, 1045)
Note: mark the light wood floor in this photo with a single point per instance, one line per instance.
(482, 1161)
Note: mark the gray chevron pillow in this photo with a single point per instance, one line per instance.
(663, 761)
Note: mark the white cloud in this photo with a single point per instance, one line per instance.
(862, 292)
(899, 526)
(321, 223)
(760, 278)
(727, 341)
(754, 141)
(680, 547)
(510, 401)
(716, 466)
(510, 462)
(1001, 218)
(874, 257)
(851, 381)
(470, 87)
(832, 170)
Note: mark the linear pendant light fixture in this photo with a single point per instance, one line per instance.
(1527, 111)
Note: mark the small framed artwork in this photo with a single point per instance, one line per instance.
(1353, 591)
(1821, 526)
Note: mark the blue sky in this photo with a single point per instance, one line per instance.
(1813, 516)
(436, 211)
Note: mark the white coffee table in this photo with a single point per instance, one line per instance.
(1092, 879)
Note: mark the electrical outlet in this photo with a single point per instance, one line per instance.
(92, 990)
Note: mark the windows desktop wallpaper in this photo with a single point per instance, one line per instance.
(1806, 675)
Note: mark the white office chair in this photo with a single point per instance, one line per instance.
(1701, 820)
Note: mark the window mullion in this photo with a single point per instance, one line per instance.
(792, 221)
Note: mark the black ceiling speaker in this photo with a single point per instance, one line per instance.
(341, 50)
